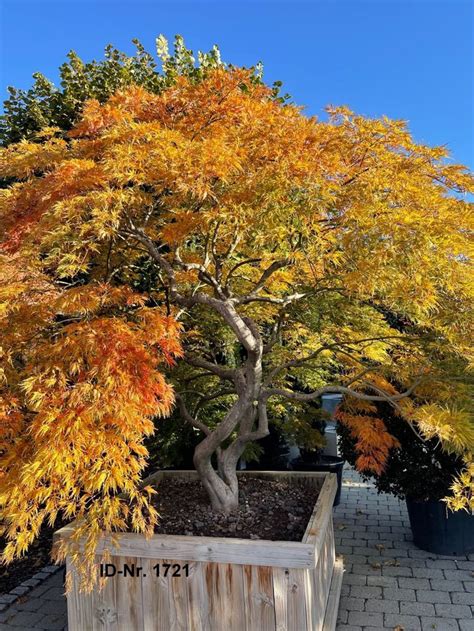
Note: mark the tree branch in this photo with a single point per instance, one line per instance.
(215, 369)
(185, 414)
(302, 396)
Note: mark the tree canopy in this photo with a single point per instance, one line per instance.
(296, 257)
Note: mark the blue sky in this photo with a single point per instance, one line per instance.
(406, 59)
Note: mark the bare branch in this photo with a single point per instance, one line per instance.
(276, 265)
(185, 414)
(302, 396)
(215, 369)
(271, 299)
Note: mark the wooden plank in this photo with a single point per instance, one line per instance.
(280, 598)
(291, 476)
(321, 579)
(198, 598)
(80, 606)
(296, 608)
(128, 593)
(105, 610)
(178, 601)
(290, 598)
(332, 606)
(155, 597)
(259, 598)
(219, 549)
(310, 599)
(319, 520)
(224, 584)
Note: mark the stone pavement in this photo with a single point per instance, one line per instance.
(43, 608)
(388, 583)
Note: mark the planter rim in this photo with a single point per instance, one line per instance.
(263, 552)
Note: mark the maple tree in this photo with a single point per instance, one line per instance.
(279, 246)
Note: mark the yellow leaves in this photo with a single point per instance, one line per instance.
(75, 409)
(454, 427)
(182, 225)
(27, 158)
(462, 496)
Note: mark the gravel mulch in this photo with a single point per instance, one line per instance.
(268, 509)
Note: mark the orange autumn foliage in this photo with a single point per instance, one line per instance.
(285, 236)
(80, 381)
(374, 442)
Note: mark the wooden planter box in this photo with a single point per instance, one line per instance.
(231, 584)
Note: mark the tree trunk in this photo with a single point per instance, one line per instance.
(223, 493)
(222, 485)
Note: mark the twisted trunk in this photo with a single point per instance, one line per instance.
(222, 484)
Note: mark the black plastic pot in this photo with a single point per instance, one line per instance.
(441, 531)
(331, 464)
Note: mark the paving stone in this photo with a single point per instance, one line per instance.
(466, 625)
(421, 554)
(414, 583)
(446, 624)
(57, 579)
(40, 576)
(54, 593)
(366, 619)
(468, 586)
(441, 564)
(466, 565)
(355, 579)
(6, 599)
(382, 606)
(447, 586)
(31, 604)
(358, 559)
(363, 550)
(431, 596)
(40, 590)
(20, 590)
(352, 604)
(414, 562)
(422, 572)
(51, 623)
(53, 607)
(358, 591)
(25, 619)
(389, 551)
(409, 623)
(32, 582)
(417, 609)
(453, 611)
(462, 598)
(342, 616)
(397, 571)
(459, 575)
(382, 581)
(393, 593)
